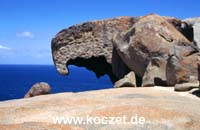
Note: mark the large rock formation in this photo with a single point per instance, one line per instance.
(148, 46)
(90, 44)
(120, 45)
(162, 109)
(85, 43)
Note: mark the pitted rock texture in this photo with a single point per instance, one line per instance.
(120, 45)
(87, 40)
(93, 39)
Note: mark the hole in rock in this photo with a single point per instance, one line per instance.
(159, 82)
(98, 65)
(138, 81)
(188, 33)
(16, 80)
(81, 79)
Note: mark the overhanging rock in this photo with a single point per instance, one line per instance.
(90, 44)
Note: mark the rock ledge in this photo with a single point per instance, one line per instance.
(162, 108)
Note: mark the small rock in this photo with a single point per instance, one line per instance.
(186, 86)
(38, 89)
(127, 81)
(155, 73)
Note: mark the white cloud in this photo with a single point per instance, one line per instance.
(4, 48)
(25, 34)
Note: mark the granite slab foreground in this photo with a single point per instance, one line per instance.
(162, 108)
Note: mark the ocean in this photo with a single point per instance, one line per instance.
(16, 80)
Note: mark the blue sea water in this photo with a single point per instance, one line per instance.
(16, 80)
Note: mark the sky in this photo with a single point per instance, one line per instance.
(27, 26)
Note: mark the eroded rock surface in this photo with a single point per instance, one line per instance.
(183, 68)
(144, 45)
(88, 40)
(81, 42)
(155, 73)
(162, 108)
(37, 89)
(146, 48)
(128, 80)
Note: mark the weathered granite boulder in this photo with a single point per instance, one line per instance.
(90, 44)
(38, 89)
(182, 65)
(155, 73)
(128, 80)
(120, 45)
(146, 47)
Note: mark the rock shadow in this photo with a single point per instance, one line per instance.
(196, 93)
